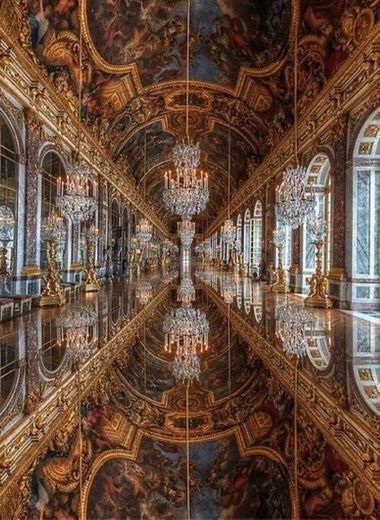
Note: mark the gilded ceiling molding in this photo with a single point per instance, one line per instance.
(23, 77)
(33, 436)
(358, 447)
(351, 86)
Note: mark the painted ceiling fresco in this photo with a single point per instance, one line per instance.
(224, 36)
(241, 69)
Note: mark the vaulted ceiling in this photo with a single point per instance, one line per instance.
(241, 67)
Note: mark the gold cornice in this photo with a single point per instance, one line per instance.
(351, 85)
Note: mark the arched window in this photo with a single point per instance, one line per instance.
(319, 176)
(246, 235)
(239, 231)
(52, 169)
(116, 236)
(8, 187)
(256, 238)
(366, 207)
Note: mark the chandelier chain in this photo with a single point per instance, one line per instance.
(188, 69)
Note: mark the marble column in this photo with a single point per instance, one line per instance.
(337, 275)
(33, 143)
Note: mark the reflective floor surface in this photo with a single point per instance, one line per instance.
(94, 423)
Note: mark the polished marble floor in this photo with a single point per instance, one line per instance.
(43, 369)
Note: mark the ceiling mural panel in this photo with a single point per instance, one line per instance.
(225, 35)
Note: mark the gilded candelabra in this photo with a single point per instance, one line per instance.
(52, 294)
(92, 283)
(281, 285)
(3, 262)
(318, 282)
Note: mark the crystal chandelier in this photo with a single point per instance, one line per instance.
(227, 289)
(186, 232)
(279, 237)
(295, 328)
(54, 228)
(7, 223)
(228, 231)
(186, 194)
(76, 204)
(73, 331)
(318, 229)
(144, 231)
(186, 190)
(295, 204)
(92, 233)
(186, 290)
(144, 292)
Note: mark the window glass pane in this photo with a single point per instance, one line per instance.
(362, 222)
(376, 230)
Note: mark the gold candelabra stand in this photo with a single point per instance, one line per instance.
(318, 283)
(281, 285)
(3, 262)
(92, 283)
(52, 294)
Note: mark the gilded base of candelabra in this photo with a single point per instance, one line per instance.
(31, 271)
(280, 286)
(56, 300)
(318, 284)
(321, 302)
(91, 287)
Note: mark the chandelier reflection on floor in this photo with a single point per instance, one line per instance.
(186, 333)
(295, 328)
(186, 290)
(144, 292)
(74, 333)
